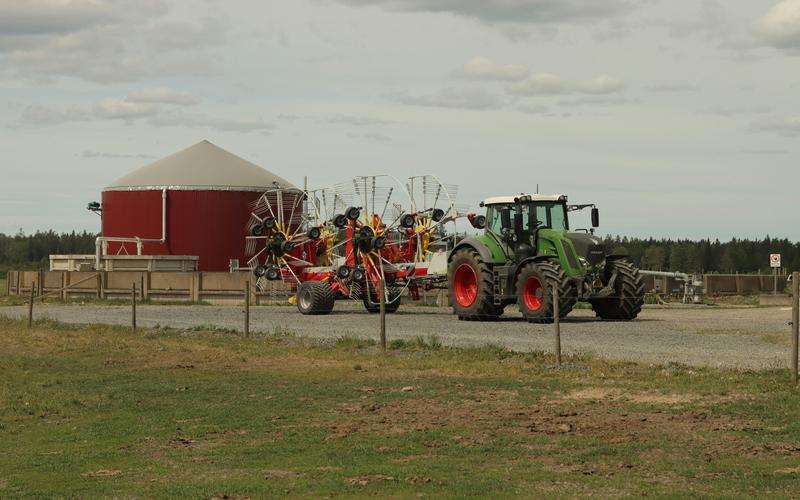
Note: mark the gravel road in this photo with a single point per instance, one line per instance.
(752, 338)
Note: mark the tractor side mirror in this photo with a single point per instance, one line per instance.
(595, 217)
(477, 221)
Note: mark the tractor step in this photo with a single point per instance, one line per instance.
(498, 289)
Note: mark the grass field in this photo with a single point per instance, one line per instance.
(100, 411)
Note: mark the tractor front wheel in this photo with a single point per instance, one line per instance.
(628, 297)
(471, 287)
(535, 291)
(315, 298)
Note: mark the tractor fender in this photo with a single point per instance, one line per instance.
(476, 245)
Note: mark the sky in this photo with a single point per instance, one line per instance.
(678, 118)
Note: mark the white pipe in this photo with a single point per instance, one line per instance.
(164, 215)
(101, 242)
(680, 276)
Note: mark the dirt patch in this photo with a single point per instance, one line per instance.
(594, 413)
(102, 473)
(365, 480)
(655, 398)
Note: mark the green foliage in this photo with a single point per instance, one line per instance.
(23, 251)
(96, 411)
(707, 256)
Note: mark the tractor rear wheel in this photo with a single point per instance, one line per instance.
(535, 291)
(315, 297)
(469, 279)
(626, 301)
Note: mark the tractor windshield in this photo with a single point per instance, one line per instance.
(550, 214)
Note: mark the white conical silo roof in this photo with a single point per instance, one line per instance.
(202, 166)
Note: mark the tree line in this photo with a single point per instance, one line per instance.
(709, 256)
(21, 251)
(32, 251)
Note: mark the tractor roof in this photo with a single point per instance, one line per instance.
(504, 200)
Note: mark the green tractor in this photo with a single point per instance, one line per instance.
(525, 250)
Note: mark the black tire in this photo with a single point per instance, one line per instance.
(315, 298)
(482, 307)
(535, 290)
(546, 272)
(372, 302)
(626, 302)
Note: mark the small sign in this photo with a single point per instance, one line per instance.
(774, 260)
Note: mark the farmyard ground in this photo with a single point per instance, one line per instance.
(100, 411)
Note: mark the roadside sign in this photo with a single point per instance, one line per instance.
(774, 260)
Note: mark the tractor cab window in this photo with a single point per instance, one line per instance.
(495, 216)
(552, 215)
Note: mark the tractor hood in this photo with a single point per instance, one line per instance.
(588, 246)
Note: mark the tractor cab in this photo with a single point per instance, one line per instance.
(527, 225)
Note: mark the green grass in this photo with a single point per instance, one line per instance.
(99, 411)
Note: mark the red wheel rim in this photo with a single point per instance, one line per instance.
(465, 285)
(532, 294)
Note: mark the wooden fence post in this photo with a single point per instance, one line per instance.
(557, 324)
(247, 309)
(30, 306)
(133, 306)
(382, 295)
(795, 322)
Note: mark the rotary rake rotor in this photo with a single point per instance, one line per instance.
(285, 234)
(367, 237)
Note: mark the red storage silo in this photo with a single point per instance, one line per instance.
(194, 202)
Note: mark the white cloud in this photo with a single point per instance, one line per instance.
(140, 112)
(476, 99)
(780, 26)
(667, 87)
(104, 41)
(122, 109)
(38, 114)
(162, 95)
(551, 84)
(370, 136)
(787, 126)
(602, 84)
(358, 121)
(37, 17)
(482, 68)
(541, 83)
(512, 11)
(97, 154)
(212, 122)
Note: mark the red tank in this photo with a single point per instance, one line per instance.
(194, 202)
